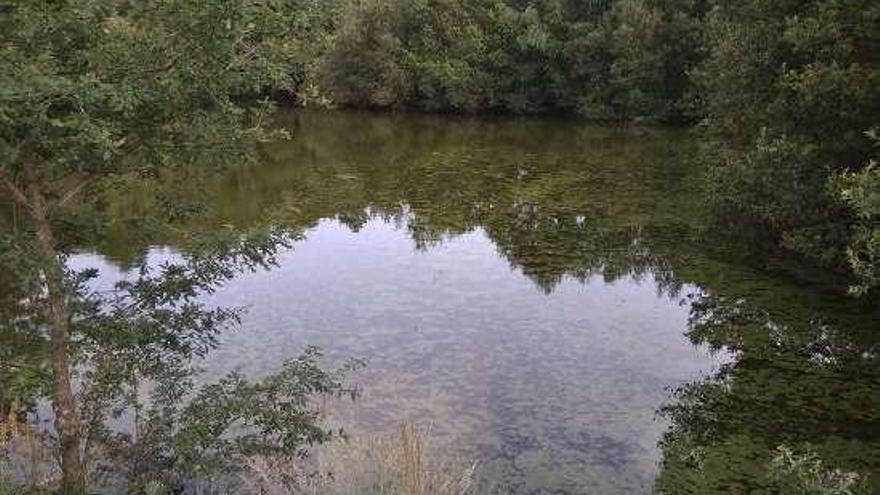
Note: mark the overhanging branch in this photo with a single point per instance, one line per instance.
(70, 194)
(17, 194)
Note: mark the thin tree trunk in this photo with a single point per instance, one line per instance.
(59, 314)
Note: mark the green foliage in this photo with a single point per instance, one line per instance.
(185, 435)
(607, 60)
(797, 378)
(83, 90)
(89, 113)
(787, 89)
(860, 192)
(784, 90)
(145, 334)
(803, 473)
(637, 68)
(310, 25)
(444, 45)
(779, 187)
(362, 67)
(740, 465)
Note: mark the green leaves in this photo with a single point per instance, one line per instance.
(860, 192)
(610, 60)
(84, 91)
(229, 420)
(99, 100)
(789, 411)
(787, 89)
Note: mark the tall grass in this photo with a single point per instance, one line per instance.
(363, 464)
(401, 463)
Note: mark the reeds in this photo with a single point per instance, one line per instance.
(363, 464)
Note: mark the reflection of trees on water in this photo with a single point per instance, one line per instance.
(797, 380)
(563, 201)
(558, 200)
(590, 203)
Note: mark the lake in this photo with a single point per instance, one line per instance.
(546, 296)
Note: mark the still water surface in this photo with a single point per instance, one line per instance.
(536, 291)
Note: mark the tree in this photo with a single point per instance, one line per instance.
(443, 45)
(84, 96)
(362, 67)
(636, 75)
(787, 90)
(606, 59)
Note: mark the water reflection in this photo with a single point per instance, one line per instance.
(425, 241)
(800, 379)
(551, 393)
(557, 198)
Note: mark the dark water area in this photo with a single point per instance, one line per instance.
(544, 294)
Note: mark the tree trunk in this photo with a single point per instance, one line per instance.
(59, 315)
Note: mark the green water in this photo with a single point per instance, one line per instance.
(543, 293)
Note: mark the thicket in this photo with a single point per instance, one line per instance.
(608, 60)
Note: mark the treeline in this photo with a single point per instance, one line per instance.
(603, 59)
(786, 92)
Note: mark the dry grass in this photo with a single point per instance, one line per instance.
(401, 464)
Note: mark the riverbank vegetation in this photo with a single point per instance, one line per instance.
(87, 102)
(404, 463)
